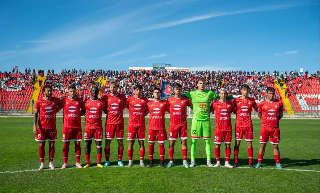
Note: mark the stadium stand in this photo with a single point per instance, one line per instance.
(20, 91)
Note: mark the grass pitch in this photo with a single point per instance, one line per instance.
(299, 151)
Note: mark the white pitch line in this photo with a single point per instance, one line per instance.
(34, 170)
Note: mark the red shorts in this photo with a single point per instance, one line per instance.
(96, 134)
(175, 131)
(157, 135)
(69, 134)
(222, 136)
(46, 135)
(273, 132)
(111, 129)
(136, 132)
(247, 131)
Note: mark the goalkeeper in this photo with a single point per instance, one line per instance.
(201, 100)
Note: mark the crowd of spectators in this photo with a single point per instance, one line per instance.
(83, 79)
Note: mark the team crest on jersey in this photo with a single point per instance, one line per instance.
(228, 106)
(43, 104)
(67, 103)
(108, 100)
(265, 106)
(161, 105)
(207, 96)
(276, 106)
(249, 103)
(239, 103)
(182, 102)
(142, 101)
(132, 101)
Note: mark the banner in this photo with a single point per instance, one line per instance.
(166, 89)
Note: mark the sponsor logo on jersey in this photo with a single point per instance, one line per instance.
(72, 115)
(49, 116)
(223, 111)
(244, 108)
(137, 113)
(93, 110)
(244, 114)
(271, 112)
(137, 107)
(202, 106)
(114, 106)
(72, 109)
(94, 116)
(156, 110)
(157, 117)
(271, 118)
(176, 107)
(49, 109)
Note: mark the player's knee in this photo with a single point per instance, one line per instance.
(249, 144)
(275, 146)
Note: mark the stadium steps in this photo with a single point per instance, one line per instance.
(36, 92)
(285, 100)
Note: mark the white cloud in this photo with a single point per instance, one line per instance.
(38, 41)
(124, 51)
(213, 68)
(287, 53)
(217, 14)
(7, 54)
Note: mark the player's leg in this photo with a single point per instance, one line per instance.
(275, 140)
(162, 138)
(206, 136)
(65, 153)
(109, 135)
(88, 139)
(120, 134)
(131, 138)
(41, 154)
(184, 137)
(227, 139)
(141, 137)
(238, 138)
(151, 140)
(173, 135)
(77, 148)
(218, 139)
(195, 135)
(99, 153)
(249, 139)
(264, 137)
(51, 154)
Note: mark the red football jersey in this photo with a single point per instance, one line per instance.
(115, 104)
(71, 112)
(137, 109)
(178, 110)
(270, 112)
(223, 114)
(157, 110)
(47, 111)
(94, 110)
(243, 110)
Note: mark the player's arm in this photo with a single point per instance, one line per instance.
(35, 119)
(83, 108)
(105, 108)
(259, 110)
(281, 112)
(211, 108)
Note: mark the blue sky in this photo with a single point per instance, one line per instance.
(199, 34)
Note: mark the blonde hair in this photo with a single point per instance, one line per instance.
(222, 90)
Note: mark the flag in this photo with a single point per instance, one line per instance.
(166, 89)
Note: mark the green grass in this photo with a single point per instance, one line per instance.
(299, 150)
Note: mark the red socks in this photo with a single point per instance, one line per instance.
(171, 151)
(99, 158)
(141, 151)
(277, 158)
(217, 153)
(65, 152)
(250, 154)
(41, 153)
(107, 154)
(260, 157)
(87, 159)
(120, 153)
(236, 153)
(227, 152)
(151, 151)
(161, 151)
(184, 154)
(130, 154)
(78, 152)
(51, 154)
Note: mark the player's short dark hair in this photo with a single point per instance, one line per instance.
(244, 86)
(156, 89)
(270, 89)
(114, 83)
(137, 86)
(202, 80)
(72, 86)
(94, 86)
(177, 85)
(45, 87)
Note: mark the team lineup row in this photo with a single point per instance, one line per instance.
(201, 101)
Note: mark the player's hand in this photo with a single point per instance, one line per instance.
(35, 129)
